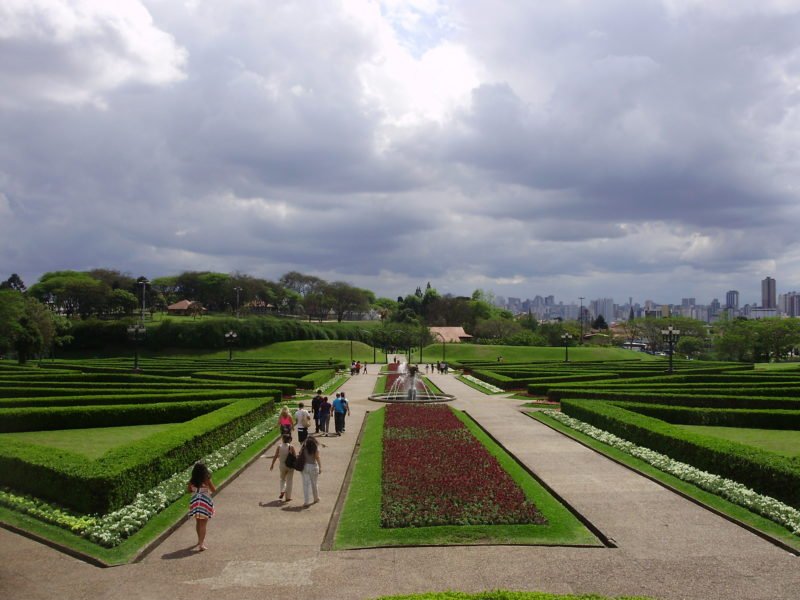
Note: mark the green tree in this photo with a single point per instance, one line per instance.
(345, 298)
(72, 292)
(13, 283)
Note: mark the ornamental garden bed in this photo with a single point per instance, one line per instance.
(428, 475)
(101, 470)
(702, 487)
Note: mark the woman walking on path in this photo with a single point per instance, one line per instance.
(287, 473)
(311, 470)
(201, 506)
(285, 422)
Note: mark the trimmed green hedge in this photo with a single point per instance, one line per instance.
(113, 480)
(697, 400)
(84, 417)
(78, 400)
(720, 417)
(765, 472)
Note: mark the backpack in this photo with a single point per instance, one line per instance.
(291, 458)
(300, 461)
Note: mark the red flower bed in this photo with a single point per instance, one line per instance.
(435, 472)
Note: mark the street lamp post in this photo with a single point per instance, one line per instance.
(230, 339)
(237, 289)
(566, 337)
(144, 283)
(136, 333)
(671, 336)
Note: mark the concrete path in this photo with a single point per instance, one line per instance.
(668, 547)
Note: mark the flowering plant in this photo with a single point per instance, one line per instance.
(435, 472)
(492, 389)
(735, 492)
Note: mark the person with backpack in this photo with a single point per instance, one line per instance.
(302, 421)
(286, 455)
(340, 410)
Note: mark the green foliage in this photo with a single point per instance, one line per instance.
(113, 480)
(765, 472)
(757, 340)
(80, 417)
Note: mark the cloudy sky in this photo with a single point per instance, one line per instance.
(578, 148)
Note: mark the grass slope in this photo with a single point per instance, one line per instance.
(359, 525)
(531, 353)
(338, 350)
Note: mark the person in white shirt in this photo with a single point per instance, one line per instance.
(302, 419)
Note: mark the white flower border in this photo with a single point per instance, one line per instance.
(333, 382)
(111, 529)
(493, 389)
(735, 492)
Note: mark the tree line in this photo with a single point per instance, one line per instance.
(64, 308)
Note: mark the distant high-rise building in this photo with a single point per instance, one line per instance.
(769, 299)
(549, 300)
(603, 306)
(686, 302)
(732, 300)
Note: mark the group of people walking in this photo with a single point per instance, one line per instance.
(307, 459)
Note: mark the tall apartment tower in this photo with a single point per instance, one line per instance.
(769, 299)
(732, 300)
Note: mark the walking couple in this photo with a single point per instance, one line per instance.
(307, 460)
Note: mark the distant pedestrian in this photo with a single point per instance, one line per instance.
(285, 422)
(201, 506)
(365, 368)
(302, 420)
(311, 470)
(315, 402)
(324, 415)
(340, 410)
(283, 450)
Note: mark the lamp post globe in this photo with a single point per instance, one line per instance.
(230, 339)
(671, 335)
(566, 337)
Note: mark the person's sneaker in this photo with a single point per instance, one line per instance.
(281, 496)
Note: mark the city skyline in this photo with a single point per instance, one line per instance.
(596, 149)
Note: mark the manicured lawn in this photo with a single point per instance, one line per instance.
(780, 441)
(457, 352)
(359, 525)
(338, 350)
(92, 443)
(782, 366)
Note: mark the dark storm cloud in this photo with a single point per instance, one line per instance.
(604, 142)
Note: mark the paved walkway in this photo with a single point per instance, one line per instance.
(668, 547)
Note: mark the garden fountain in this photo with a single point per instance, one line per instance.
(407, 386)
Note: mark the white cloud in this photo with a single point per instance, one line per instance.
(77, 51)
